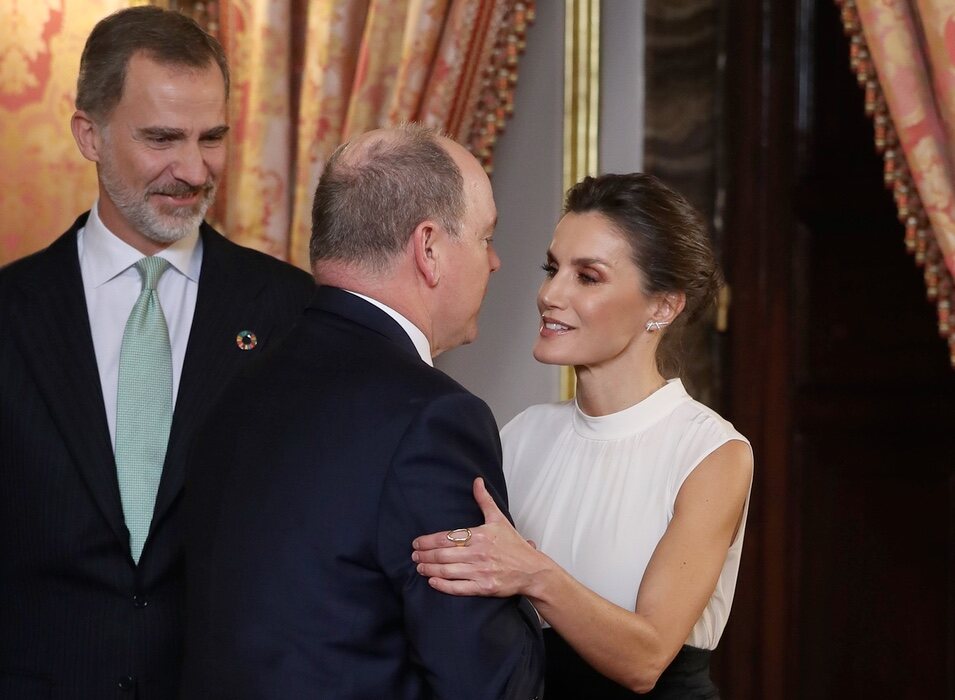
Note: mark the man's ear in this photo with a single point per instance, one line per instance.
(87, 135)
(426, 241)
(668, 306)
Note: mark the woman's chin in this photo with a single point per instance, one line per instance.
(547, 356)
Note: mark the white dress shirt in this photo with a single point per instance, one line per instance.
(417, 336)
(112, 285)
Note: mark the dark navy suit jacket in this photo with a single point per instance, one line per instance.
(320, 466)
(78, 619)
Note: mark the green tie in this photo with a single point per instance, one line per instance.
(143, 405)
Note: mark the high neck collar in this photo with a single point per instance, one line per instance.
(633, 419)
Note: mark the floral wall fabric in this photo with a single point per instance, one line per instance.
(44, 181)
(306, 76)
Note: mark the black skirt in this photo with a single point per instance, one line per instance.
(569, 677)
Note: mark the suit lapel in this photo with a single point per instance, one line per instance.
(211, 353)
(56, 332)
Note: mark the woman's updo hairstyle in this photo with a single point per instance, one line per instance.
(668, 238)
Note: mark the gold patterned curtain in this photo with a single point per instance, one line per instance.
(903, 53)
(44, 181)
(307, 74)
(307, 77)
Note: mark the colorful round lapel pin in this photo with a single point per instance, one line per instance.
(246, 340)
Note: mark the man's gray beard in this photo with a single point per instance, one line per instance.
(135, 207)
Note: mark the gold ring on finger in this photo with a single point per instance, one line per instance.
(460, 537)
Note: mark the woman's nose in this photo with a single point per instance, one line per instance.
(550, 295)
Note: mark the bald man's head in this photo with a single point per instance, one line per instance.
(377, 188)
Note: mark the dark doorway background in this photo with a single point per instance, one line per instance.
(832, 365)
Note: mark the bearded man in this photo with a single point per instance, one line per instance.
(118, 337)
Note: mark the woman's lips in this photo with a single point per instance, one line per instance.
(551, 327)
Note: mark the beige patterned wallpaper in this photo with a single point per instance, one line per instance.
(44, 182)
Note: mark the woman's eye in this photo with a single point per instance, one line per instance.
(549, 270)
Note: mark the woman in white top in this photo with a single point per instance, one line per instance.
(634, 493)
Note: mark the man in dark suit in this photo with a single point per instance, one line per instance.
(301, 514)
(105, 372)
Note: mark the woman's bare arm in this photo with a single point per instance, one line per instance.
(632, 648)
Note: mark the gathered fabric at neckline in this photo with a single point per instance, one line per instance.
(632, 419)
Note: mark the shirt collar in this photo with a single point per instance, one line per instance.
(105, 255)
(419, 339)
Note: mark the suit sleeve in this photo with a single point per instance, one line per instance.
(468, 647)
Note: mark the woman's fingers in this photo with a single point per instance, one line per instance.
(433, 541)
(451, 555)
(460, 588)
(463, 579)
(492, 514)
(484, 499)
(449, 572)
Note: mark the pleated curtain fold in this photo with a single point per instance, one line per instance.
(903, 53)
(306, 75)
(309, 75)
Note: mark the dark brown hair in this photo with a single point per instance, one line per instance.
(165, 36)
(369, 202)
(667, 237)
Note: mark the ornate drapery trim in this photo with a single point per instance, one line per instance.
(472, 101)
(494, 101)
(920, 241)
(307, 76)
(476, 115)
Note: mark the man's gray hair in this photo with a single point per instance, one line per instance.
(372, 196)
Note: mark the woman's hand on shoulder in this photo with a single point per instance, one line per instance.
(496, 561)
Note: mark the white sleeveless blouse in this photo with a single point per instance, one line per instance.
(597, 494)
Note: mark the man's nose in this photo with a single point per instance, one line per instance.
(191, 166)
(494, 260)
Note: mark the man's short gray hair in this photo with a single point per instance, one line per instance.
(164, 36)
(372, 196)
